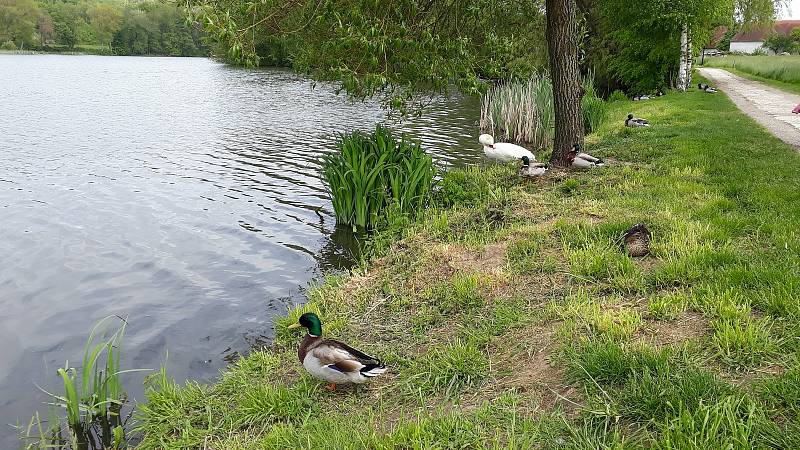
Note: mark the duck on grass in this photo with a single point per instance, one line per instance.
(331, 360)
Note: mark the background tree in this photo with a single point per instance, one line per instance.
(399, 49)
(562, 44)
(779, 43)
(18, 20)
(46, 29)
(67, 22)
(105, 20)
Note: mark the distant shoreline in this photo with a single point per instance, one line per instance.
(85, 53)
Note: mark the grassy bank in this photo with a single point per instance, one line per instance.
(782, 72)
(510, 318)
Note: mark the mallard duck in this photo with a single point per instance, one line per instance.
(706, 88)
(503, 151)
(532, 170)
(637, 240)
(333, 361)
(580, 160)
(635, 122)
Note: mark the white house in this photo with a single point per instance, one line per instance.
(750, 41)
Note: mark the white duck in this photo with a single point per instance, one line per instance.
(531, 170)
(580, 160)
(503, 151)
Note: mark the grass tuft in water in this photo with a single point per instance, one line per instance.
(374, 175)
(93, 398)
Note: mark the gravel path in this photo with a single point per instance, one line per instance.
(769, 106)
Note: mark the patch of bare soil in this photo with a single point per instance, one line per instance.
(751, 376)
(689, 326)
(523, 362)
(490, 259)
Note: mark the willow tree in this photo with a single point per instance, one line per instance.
(399, 49)
(562, 44)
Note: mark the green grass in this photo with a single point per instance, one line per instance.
(510, 317)
(782, 72)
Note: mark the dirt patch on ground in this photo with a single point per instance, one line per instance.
(490, 259)
(689, 326)
(524, 363)
(744, 379)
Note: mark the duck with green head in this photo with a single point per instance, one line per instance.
(333, 361)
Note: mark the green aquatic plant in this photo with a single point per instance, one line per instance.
(372, 175)
(93, 399)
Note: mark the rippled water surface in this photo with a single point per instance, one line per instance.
(181, 193)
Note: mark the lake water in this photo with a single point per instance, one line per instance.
(182, 194)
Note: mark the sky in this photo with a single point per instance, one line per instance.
(792, 11)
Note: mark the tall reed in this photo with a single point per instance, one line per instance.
(522, 110)
(593, 107)
(93, 399)
(372, 174)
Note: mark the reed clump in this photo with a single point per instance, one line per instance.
(522, 111)
(372, 175)
(93, 399)
(593, 107)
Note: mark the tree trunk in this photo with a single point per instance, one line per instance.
(685, 68)
(562, 48)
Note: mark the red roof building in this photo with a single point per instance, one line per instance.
(751, 40)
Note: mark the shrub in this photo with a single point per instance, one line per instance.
(8, 45)
(371, 174)
(780, 43)
(594, 112)
(617, 96)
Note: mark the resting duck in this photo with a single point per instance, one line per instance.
(706, 88)
(641, 97)
(635, 122)
(637, 240)
(503, 151)
(532, 170)
(333, 361)
(580, 160)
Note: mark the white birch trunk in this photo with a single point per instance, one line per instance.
(685, 69)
